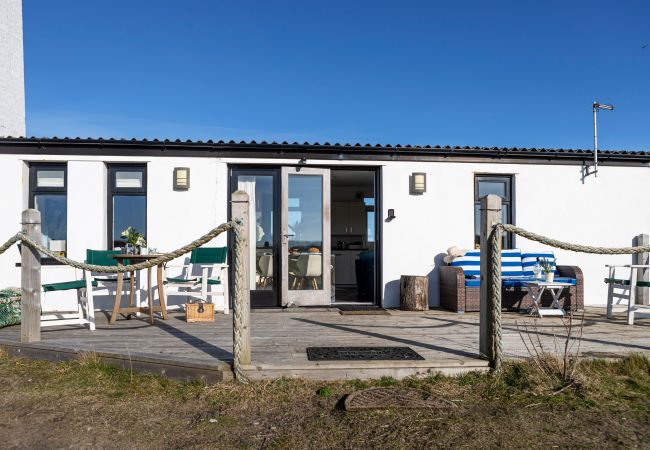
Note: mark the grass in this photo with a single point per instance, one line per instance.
(87, 404)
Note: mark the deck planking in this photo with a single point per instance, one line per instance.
(448, 341)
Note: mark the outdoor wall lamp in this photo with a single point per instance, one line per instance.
(418, 183)
(391, 215)
(181, 178)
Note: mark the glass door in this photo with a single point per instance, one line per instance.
(305, 241)
(260, 184)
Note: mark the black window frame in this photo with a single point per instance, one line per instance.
(35, 190)
(509, 179)
(112, 169)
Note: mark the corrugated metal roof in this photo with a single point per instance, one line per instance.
(325, 146)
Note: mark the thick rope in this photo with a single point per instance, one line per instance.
(238, 313)
(573, 247)
(495, 261)
(125, 268)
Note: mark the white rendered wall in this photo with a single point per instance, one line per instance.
(12, 84)
(549, 199)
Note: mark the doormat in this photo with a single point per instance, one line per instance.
(369, 310)
(362, 354)
(392, 398)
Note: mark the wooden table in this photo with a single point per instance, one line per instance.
(134, 309)
(536, 290)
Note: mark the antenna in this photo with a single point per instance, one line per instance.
(597, 107)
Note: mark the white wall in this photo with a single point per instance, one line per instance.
(174, 218)
(12, 84)
(549, 199)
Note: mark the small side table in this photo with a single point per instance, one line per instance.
(536, 290)
(118, 309)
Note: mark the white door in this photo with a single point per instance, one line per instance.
(306, 250)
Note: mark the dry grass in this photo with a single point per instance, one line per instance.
(86, 404)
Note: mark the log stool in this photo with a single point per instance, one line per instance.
(414, 293)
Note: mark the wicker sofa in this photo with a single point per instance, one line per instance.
(458, 293)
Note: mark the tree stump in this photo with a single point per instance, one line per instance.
(414, 293)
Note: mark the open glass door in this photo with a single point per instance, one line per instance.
(305, 249)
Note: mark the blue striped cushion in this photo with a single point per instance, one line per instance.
(471, 263)
(511, 263)
(528, 260)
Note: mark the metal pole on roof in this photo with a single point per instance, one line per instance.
(596, 107)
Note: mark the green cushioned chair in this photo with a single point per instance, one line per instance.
(85, 313)
(207, 267)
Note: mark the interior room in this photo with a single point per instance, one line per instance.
(353, 236)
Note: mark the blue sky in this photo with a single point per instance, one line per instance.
(500, 73)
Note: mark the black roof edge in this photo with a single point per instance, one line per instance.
(14, 144)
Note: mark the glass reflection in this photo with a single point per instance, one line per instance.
(305, 230)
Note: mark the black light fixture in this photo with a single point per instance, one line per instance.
(181, 178)
(391, 215)
(418, 183)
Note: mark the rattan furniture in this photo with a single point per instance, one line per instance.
(456, 296)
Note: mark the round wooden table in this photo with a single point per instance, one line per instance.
(133, 309)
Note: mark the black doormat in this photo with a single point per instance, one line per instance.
(361, 309)
(362, 354)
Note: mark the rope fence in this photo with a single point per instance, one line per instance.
(239, 283)
(166, 257)
(494, 273)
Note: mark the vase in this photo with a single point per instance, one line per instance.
(129, 249)
(549, 277)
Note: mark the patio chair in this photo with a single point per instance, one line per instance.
(214, 273)
(626, 285)
(106, 281)
(85, 313)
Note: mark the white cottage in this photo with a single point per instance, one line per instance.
(357, 217)
(333, 223)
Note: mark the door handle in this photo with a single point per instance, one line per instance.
(288, 235)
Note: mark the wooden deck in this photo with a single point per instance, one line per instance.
(448, 342)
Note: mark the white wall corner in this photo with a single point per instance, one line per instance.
(12, 78)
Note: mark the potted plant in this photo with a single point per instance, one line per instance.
(134, 240)
(548, 269)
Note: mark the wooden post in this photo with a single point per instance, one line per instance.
(490, 215)
(242, 318)
(30, 273)
(642, 293)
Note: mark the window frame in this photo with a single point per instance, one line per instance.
(112, 190)
(509, 238)
(35, 190)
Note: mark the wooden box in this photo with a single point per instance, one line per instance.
(192, 312)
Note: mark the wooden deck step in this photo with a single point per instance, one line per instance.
(364, 370)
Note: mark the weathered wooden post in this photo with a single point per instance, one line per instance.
(242, 304)
(30, 274)
(490, 317)
(642, 293)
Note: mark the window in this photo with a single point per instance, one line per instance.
(48, 184)
(127, 201)
(502, 186)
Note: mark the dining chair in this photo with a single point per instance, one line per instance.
(308, 267)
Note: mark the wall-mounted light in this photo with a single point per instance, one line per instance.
(181, 178)
(391, 215)
(418, 183)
